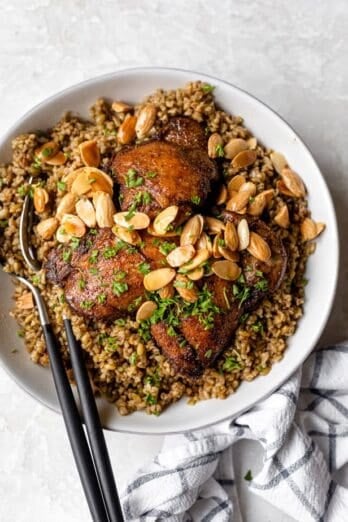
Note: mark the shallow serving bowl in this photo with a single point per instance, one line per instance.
(132, 85)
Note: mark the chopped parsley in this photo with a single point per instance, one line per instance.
(81, 283)
(248, 476)
(221, 242)
(74, 243)
(240, 291)
(120, 322)
(206, 87)
(135, 304)
(196, 200)
(67, 256)
(94, 271)
(133, 359)
(20, 333)
(219, 150)
(144, 268)
(150, 175)
(183, 284)
(261, 285)
(132, 180)
(101, 298)
(243, 318)
(152, 380)
(3, 223)
(150, 399)
(87, 304)
(171, 331)
(119, 288)
(258, 327)
(61, 185)
(36, 279)
(166, 247)
(208, 354)
(47, 151)
(230, 364)
(93, 258)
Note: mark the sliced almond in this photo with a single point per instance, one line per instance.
(259, 248)
(204, 241)
(139, 221)
(248, 187)
(252, 143)
(214, 145)
(104, 210)
(279, 162)
(196, 274)
(119, 106)
(90, 153)
(129, 236)
(126, 132)
(228, 254)
(25, 301)
(231, 236)
(310, 229)
(66, 205)
(222, 195)
(170, 233)
(47, 227)
(57, 160)
(227, 270)
(70, 178)
(62, 235)
(238, 202)
(180, 255)
(186, 288)
(91, 179)
(164, 219)
(158, 278)
(145, 311)
(41, 198)
(243, 234)
(235, 183)
(293, 182)
(146, 120)
(283, 189)
(218, 240)
(234, 146)
(213, 225)
(192, 230)
(86, 211)
(200, 257)
(268, 195)
(46, 151)
(282, 217)
(167, 291)
(257, 205)
(244, 159)
(73, 225)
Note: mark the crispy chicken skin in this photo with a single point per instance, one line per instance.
(180, 170)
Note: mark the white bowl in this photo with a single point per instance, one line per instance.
(132, 85)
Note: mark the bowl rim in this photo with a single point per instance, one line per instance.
(334, 231)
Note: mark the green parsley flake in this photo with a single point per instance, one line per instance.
(206, 87)
(120, 322)
(133, 359)
(231, 364)
(87, 304)
(119, 288)
(150, 175)
(93, 258)
(61, 185)
(208, 354)
(81, 283)
(144, 268)
(219, 151)
(248, 476)
(196, 200)
(3, 223)
(67, 256)
(166, 247)
(150, 399)
(46, 152)
(101, 298)
(74, 243)
(258, 327)
(132, 180)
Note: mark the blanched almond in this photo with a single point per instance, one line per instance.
(41, 198)
(252, 143)
(90, 154)
(282, 217)
(47, 227)
(139, 221)
(204, 241)
(170, 233)
(196, 274)
(279, 162)
(200, 257)
(126, 132)
(57, 160)
(214, 145)
(73, 225)
(85, 210)
(248, 187)
(222, 195)
(268, 195)
(227, 270)
(293, 182)
(259, 248)
(235, 183)
(282, 188)
(228, 254)
(62, 235)
(234, 146)
(25, 301)
(70, 178)
(180, 255)
(213, 225)
(257, 205)
(186, 288)
(310, 229)
(192, 230)
(243, 234)
(46, 151)
(145, 311)
(164, 219)
(217, 240)
(91, 179)
(244, 159)
(238, 202)
(167, 291)
(120, 106)
(146, 120)
(128, 236)
(66, 205)
(231, 236)
(104, 210)
(158, 278)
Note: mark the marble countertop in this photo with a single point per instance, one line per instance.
(292, 55)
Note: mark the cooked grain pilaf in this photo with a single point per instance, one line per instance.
(133, 374)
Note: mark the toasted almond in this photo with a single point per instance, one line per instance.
(227, 270)
(126, 132)
(47, 227)
(104, 210)
(196, 274)
(283, 189)
(158, 278)
(234, 147)
(200, 257)
(217, 240)
(259, 248)
(129, 236)
(167, 291)
(310, 229)
(257, 205)
(62, 235)
(41, 198)
(180, 255)
(268, 195)
(293, 182)
(228, 254)
(46, 151)
(92, 179)
(244, 159)
(248, 187)
(214, 145)
(238, 202)
(66, 205)
(86, 211)
(164, 219)
(204, 241)
(90, 154)
(25, 301)
(252, 143)
(186, 288)
(282, 217)
(222, 195)
(73, 225)
(235, 183)
(243, 234)
(57, 160)
(213, 225)
(279, 162)
(70, 178)
(192, 230)
(231, 236)
(120, 106)
(146, 120)
(139, 221)
(171, 233)
(145, 311)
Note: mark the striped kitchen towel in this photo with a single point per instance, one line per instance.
(303, 428)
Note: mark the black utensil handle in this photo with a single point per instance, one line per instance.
(94, 429)
(75, 429)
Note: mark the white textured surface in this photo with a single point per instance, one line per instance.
(292, 55)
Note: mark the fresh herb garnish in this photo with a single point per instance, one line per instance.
(132, 180)
(248, 476)
(196, 200)
(101, 298)
(87, 304)
(258, 327)
(230, 364)
(93, 258)
(144, 268)
(219, 150)
(46, 152)
(3, 223)
(150, 399)
(94, 271)
(81, 283)
(120, 322)
(133, 359)
(206, 87)
(166, 247)
(119, 288)
(61, 185)
(74, 243)
(208, 354)
(67, 255)
(150, 175)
